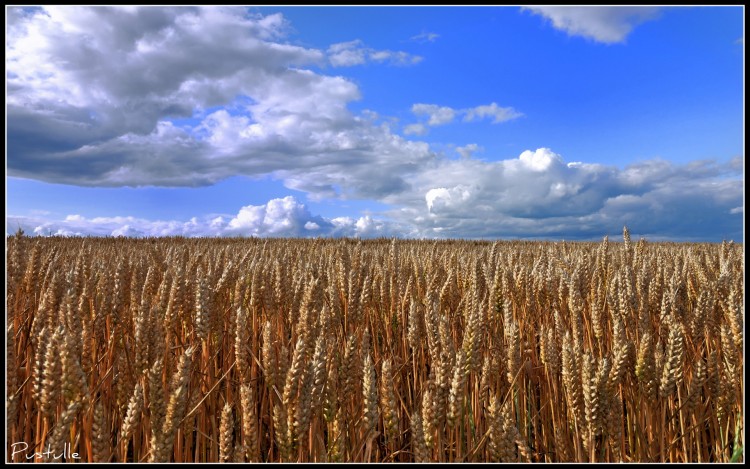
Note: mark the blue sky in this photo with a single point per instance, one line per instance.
(424, 122)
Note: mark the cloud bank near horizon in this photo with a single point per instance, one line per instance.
(536, 195)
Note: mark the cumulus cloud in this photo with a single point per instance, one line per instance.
(348, 54)
(93, 94)
(278, 217)
(538, 194)
(540, 160)
(607, 25)
(285, 217)
(440, 198)
(441, 115)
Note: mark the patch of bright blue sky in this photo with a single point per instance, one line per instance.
(225, 198)
(674, 81)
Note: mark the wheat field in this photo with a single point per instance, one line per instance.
(314, 350)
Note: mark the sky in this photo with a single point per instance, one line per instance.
(413, 122)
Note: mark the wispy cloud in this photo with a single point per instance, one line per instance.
(496, 113)
(438, 115)
(351, 53)
(608, 25)
(347, 54)
(425, 37)
(441, 115)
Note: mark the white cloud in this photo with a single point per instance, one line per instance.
(396, 57)
(348, 54)
(440, 198)
(467, 150)
(536, 194)
(438, 115)
(608, 25)
(441, 115)
(415, 129)
(539, 160)
(127, 231)
(278, 217)
(90, 107)
(217, 223)
(497, 113)
(425, 37)
(285, 217)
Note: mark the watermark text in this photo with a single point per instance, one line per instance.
(21, 447)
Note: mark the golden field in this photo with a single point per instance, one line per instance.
(204, 350)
